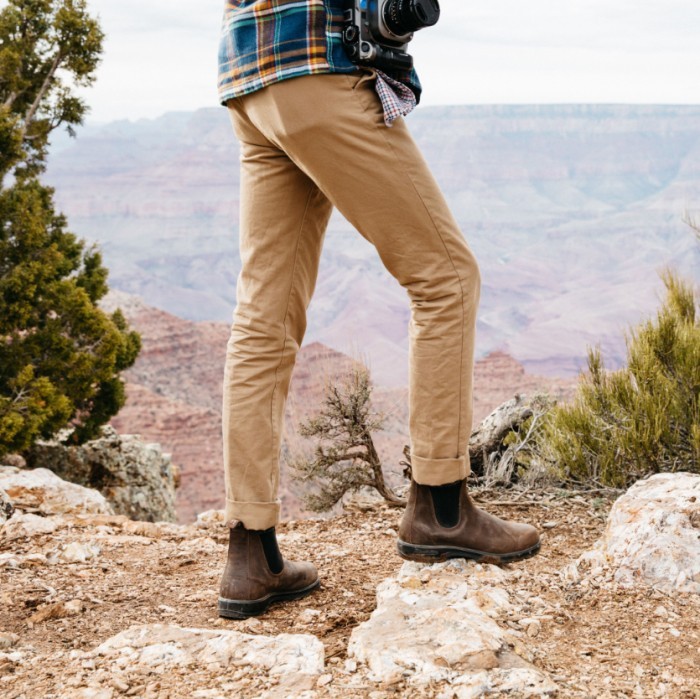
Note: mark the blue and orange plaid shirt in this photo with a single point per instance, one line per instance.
(265, 41)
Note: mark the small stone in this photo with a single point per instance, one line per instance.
(674, 632)
(533, 629)
(323, 680)
(661, 611)
(210, 518)
(6, 507)
(9, 560)
(77, 552)
(307, 616)
(350, 665)
(57, 611)
(549, 525)
(251, 624)
(14, 460)
(7, 639)
(34, 559)
(92, 693)
(532, 626)
(119, 684)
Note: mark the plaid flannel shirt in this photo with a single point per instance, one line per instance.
(265, 41)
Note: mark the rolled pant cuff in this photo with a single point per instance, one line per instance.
(439, 471)
(254, 515)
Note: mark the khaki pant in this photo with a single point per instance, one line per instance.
(309, 144)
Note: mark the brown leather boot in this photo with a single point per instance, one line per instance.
(472, 533)
(249, 585)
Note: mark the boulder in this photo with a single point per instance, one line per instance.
(26, 524)
(42, 491)
(162, 646)
(652, 537)
(136, 477)
(439, 624)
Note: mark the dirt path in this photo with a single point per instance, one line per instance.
(594, 641)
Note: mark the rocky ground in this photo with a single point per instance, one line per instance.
(65, 592)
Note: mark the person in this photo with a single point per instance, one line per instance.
(317, 131)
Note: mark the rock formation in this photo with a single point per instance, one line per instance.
(164, 647)
(137, 478)
(652, 538)
(437, 624)
(41, 491)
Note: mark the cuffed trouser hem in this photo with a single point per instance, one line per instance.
(439, 471)
(254, 515)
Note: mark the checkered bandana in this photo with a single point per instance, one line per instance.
(397, 99)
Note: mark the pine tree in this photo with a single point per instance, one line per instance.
(60, 355)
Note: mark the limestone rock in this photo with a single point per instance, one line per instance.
(439, 623)
(6, 507)
(79, 552)
(652, 537)
(41, 490)
(136, 477)
(23, 524)
(57, 610)
(210, 518)
(161, 645)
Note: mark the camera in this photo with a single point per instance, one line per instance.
(377, 32)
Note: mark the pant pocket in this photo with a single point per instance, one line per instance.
(363, 74)
(363, 87)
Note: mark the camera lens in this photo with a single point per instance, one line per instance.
(406, 16)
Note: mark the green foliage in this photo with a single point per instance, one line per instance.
(47, 48)
(345, 459)
(60, 355)
(644, 418)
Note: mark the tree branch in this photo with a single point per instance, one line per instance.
(42, 92)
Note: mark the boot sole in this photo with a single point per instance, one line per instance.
(438, 554)
(242, 609)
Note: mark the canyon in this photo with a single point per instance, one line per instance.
(571, 210)
(174, 395)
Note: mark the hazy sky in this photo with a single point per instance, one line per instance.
(160, 55)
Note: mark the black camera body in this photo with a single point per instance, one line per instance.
(377, 32)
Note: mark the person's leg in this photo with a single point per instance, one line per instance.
(283, 219)
(332, 127)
